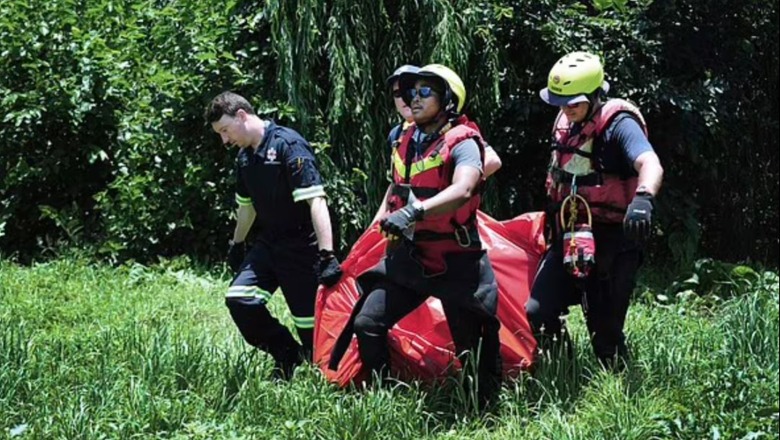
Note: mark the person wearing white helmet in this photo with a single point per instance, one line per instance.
(601, 157)
(400, 106)
(405, 112)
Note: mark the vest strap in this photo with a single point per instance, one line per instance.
(565, 149)
(420, 192)
(465, 236)
(561, 176)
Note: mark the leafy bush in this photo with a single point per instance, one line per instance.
(711, 283)
(103, 144)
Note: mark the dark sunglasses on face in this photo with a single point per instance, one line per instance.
(397, 93)
(572, 106)
(423, 92)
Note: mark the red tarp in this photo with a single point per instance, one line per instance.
(420, 344)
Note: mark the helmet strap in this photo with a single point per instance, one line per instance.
(595, 102)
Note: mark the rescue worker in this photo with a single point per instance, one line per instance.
(279, 188)
(400, 106)
(600, 153)
(438, 168)
(492, 160)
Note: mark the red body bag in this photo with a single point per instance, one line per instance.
(421, 346)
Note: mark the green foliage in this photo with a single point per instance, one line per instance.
(722, 280)
(101, 107)
(103, 111)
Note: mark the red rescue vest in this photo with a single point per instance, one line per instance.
(574, 158)
(426, 175)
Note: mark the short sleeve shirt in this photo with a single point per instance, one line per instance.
(621, 144)
(278, 177)
(466, 153)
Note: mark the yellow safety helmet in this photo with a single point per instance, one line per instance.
(455, 91)
(573, 79)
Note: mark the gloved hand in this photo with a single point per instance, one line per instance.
(328, 268)
(638, 222)
(236, 254)
(394, 225)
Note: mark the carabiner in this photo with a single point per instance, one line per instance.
(463, 243)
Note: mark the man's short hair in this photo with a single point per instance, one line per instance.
(226, 103)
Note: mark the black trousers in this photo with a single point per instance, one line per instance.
(469, 295)
(605, 294)
(287, 263)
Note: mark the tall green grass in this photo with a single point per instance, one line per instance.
(89, 351)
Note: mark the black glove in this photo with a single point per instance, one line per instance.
(328, 268)
(638, 223)
(396, 223)
(236, 254)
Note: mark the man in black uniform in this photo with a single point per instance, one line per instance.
(277, 171)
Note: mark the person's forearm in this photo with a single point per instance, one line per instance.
(245, 216)
(320, 219)
(650, 171)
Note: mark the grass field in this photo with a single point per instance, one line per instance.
(90, 351)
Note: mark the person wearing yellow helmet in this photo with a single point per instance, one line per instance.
(454, 99)
(576, 78)
(601, 153)
(430, 221)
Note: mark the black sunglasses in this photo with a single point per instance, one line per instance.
(423, 92)
(397, 93)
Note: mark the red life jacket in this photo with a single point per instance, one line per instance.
(426, 175)
(573, 157)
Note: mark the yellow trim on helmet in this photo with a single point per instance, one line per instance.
(451, 78)
(576, 73)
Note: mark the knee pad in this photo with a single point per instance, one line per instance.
(532, 310)
(367, 326)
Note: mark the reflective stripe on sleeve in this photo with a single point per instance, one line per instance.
(243, 201)
(308, 193)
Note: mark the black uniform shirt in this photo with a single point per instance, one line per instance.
(277, 178)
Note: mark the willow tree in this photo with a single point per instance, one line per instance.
(334, 56)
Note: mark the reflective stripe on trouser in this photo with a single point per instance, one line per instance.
(305, 328)
(288, 264)
(249, 292)
(303, 322)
